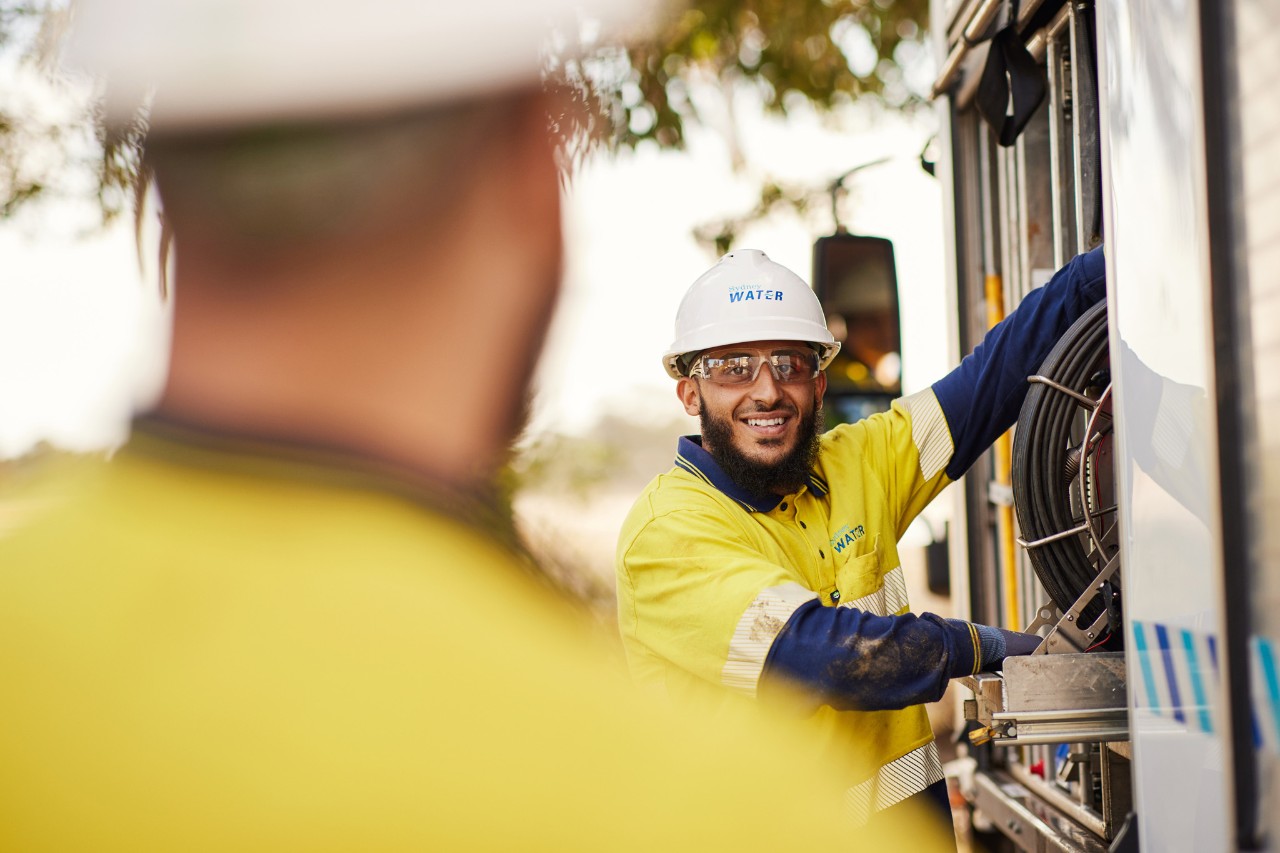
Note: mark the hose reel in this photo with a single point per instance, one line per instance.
(1064, 488)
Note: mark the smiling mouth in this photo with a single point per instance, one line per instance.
(767, 430)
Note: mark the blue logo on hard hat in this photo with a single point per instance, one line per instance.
(747, 293)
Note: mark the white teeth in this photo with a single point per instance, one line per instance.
(765, 422)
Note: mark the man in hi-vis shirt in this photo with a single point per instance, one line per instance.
(766, 559)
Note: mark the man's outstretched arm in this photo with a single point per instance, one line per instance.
(854, 660)
(982, 396)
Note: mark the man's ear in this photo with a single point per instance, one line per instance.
(820, 388)
(687, 391)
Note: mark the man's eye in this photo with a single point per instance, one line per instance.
(737, 368)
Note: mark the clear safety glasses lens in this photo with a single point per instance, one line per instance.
(743, 369)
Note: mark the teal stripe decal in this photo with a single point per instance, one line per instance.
(1197, 688)
(1144, 658)
(1267, 661)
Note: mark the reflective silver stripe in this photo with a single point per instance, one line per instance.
(894, 782)
(888, 600)
(756, 631)
(929, 431)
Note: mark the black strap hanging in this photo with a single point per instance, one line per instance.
(1010, 68)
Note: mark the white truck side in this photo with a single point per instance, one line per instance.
(1159, 136)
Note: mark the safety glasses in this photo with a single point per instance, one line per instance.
(742, 367)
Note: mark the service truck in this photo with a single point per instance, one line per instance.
(1133, 517)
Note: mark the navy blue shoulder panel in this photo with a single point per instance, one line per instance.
(982, 396)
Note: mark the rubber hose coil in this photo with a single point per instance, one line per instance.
(1048, 450)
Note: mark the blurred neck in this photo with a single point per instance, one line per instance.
(414, 348)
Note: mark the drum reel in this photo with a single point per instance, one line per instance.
(1064, 490)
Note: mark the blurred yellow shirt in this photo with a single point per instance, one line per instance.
(206, 649)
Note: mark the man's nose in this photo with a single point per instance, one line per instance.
(766, 387)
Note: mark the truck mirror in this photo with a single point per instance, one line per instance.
(857, 283)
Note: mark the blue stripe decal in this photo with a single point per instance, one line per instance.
(1197, 689)
(1266, 657)
(1175, 699)
(1258, 742)
(1203, 679)
(1144, 658)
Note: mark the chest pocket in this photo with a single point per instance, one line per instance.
(871, 587)
(860, 576)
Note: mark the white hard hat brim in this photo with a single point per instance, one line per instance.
(243, 62)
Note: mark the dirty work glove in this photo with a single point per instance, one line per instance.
(1000, 643)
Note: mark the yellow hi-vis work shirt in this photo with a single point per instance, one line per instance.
(707, 580)
(207, 648)
(709, 576)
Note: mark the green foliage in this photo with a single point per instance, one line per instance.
(566, 465)
(52, 141)
(822, 52)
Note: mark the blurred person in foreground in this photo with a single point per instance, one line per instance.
(286, 615)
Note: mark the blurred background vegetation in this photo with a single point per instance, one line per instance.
(52, 145)
(824, 53)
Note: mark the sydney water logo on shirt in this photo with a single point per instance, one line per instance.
(846, 536)
(747, 293)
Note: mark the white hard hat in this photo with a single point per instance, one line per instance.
(747, 297)
(242, 62)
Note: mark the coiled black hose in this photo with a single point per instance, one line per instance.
(1047, 455)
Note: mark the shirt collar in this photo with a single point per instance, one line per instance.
(691, 456)
(259, 457)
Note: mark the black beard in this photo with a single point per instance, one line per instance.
(761, 478)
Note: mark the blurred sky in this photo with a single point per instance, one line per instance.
(82, 331)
